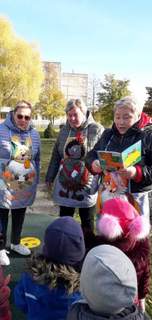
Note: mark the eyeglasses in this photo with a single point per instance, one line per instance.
(20, 117)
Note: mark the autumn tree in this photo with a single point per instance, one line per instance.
(111, 90)
(21, 72)
(148, 103)
(51, 102)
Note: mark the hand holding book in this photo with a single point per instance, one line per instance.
(114, 161)
(96, 167)
(128, 173)
(119, 168)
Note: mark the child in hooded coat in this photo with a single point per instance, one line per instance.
(5, 312)
(108, 285)
(52, 283)
(120, 225)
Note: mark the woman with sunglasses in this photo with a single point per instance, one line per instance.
(19, 171)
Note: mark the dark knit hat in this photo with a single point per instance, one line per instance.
(64, 242)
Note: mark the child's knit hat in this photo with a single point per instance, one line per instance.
(108, 281)
(118, 217)
(64, 242)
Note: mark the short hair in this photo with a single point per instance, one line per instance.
(76, 103)
(128, 102)
(23, 104)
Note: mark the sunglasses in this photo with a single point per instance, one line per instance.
(21, 117)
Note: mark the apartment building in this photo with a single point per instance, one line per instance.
(74, 85)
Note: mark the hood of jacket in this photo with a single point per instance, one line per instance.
(10, 123)
(54, 275)
(144, 121)
(107, 285)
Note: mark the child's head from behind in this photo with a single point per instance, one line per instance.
(64, 242)
(119, 218)
(108, 280)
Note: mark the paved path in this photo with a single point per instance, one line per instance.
(43, 203)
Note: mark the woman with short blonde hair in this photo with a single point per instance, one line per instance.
(130, 125)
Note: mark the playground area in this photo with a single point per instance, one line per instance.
(37, 219)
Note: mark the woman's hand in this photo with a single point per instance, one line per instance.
(128, 173)
(96, 167)
(141, 304)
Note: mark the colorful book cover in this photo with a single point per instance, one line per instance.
(113, 161)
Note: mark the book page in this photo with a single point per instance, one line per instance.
(113, 161)
(132, 155)
(110, 160)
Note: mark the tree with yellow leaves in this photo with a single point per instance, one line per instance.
(21, 73)
(51, 100)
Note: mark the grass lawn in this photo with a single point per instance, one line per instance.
(46, 150)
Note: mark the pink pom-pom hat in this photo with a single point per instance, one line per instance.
(118, 217)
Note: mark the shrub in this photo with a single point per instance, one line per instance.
(41, 133)
(49, 132)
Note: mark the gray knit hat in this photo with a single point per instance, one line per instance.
(108, 280)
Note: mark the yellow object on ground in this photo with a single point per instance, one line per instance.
(31, 242)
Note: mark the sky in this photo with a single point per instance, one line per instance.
(90, 36)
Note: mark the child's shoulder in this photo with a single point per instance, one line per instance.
(26, 276)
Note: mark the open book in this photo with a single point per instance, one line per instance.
(113, 161)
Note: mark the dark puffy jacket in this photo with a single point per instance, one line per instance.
(112, 140)
(40, 302)
(81, 311)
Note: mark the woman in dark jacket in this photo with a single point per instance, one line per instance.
(130, 125)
